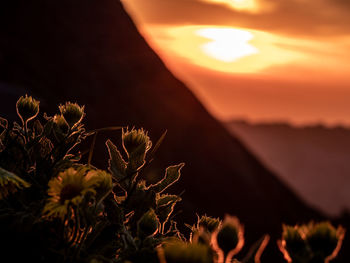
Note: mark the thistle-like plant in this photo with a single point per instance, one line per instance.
(72, 113)
(27, 108)
(311, 243)
(225, 239)
(55, 208)
(75, 212)
(136, 144)
(229, 239)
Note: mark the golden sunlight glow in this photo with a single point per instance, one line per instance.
(225, 49)
(244, 5)
(228, 45)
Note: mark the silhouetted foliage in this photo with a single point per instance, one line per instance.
(54, 208)
(312, 243)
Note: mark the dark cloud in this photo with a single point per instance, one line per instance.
(299, 17)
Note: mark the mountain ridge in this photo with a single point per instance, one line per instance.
(312, 159)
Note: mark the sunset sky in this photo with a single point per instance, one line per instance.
(262, 60)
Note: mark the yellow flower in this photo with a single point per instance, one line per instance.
(102, 180)
(10, 183)
(68, 188)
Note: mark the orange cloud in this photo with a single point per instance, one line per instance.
(237, 50)
(298, 17)
(299, 73)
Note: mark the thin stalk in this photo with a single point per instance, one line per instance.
(92, 148)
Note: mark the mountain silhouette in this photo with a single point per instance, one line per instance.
(90, 51)
(313, 160)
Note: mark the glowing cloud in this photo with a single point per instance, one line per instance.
(244, 5)
(227, 49)
(228, 44)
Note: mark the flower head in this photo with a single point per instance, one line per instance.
(72, 112)
(136, 144)
(60, 123)
(210, 224)
(10, 183)
(293, 245)
(68, 188)
(136, 140)
(102, 181)
(202, 233)
(229, 238)
(148, 224)
(27, 108)
(323, 239)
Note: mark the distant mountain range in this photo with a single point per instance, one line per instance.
(90, 51)
(313, 160)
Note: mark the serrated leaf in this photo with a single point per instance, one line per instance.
(165, 206)
(38, 128)
(137, 159)
(166, 199)
(164, 212)
(48, 128)
(117, 165)
(172, 174)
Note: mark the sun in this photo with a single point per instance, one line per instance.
(224, 49)
(228, 44)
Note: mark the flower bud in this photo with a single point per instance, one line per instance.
(136, 141)
(27, 108)
(293, 245)
(208, 223)
(60, 124)
(323, 239)
(72, 113)
(230, 235)
(148, 224)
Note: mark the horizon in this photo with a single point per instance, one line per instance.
(273, 71)
(287, 123)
